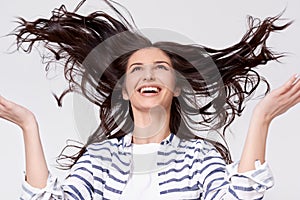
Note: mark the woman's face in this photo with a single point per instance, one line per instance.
(150, 80)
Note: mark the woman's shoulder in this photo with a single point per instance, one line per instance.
(198, 144)
(107, 143)
(105, 147)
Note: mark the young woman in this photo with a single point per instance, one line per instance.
(153, 99)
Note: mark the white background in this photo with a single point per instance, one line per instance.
(215, 24)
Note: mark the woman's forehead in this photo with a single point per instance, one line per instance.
(148, 56)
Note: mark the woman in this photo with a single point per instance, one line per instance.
(144, 92)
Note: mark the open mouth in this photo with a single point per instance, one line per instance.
(149, 90)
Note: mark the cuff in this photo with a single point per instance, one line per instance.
(260, 179)
(51, 190)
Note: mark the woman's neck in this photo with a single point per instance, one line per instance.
(151, 126)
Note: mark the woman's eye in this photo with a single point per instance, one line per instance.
(162, 67)
(136, 68)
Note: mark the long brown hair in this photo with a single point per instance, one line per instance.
(225, 77)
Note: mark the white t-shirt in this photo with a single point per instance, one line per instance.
(143, 181)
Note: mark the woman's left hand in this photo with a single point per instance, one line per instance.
(280, 100)
(272, 105)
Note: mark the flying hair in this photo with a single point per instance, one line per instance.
(225, 78)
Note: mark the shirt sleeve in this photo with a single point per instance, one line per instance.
(223, 182)
(78, 184)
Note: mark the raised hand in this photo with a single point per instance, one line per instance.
(272, 105)
(280, 100)
(15, 113)
(36, 167)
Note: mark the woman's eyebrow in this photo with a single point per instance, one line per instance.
(156, 62)
(162, 61)
(138, 63)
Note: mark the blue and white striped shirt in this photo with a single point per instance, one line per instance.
(186, 169)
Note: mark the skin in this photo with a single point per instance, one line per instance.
(36, 166)
(150, 67)
(274, 104)
(153, 110)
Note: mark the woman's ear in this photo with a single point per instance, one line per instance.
(177, 91)
(125, 93)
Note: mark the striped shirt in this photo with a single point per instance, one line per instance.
(186, 169)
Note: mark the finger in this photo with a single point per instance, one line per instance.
(296, 79)
(293, 80)
(2, 100)
(296, 92)
(291, 83)
(296, 84)
(293, 103)
(293, 97)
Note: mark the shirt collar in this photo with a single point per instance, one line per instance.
(171, 139)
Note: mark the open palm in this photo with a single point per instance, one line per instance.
(280, 100)
(15, 113)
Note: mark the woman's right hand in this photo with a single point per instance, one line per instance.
(17, 114)
(36, 166)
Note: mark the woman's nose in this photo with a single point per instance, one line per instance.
(149, 74)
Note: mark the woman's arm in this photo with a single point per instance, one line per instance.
(36, 167)
(274, 104)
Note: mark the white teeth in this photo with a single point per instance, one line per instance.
(149, 89)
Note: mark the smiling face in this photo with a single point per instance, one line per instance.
(150, 80)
